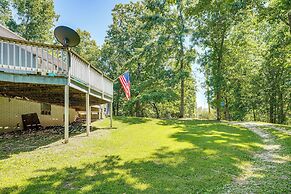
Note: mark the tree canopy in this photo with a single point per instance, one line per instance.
(34, 20)
(243, 48)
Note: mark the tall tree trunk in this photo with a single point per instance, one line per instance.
(182, 100)
(156, 110)
(181, 60)
(137, 109)
(117, 104)
(219, 76)
(208, 96)
(281, 116)
(226, 110)
(271, 110)
(113, 109)
(218, 99)
(254, 114)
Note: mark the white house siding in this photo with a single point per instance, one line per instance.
(12, 109)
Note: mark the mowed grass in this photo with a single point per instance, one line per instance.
(141, 155)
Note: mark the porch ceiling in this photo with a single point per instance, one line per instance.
(42, 93)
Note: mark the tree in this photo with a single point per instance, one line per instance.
(276, 66)
(5, 12)
(88, 47)
(214, 20)
(246, 58)
(35, 19)
(170, 18)
(143, 39)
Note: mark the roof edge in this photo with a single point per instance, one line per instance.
(10, 31)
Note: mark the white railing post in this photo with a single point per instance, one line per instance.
(42, 61)
(47, 61)
(62, 60)
(19, 58)
(70, 65)
(89, 78)
(8, 55)
(25, 57)
(102, 87)
(2, 51)
(14, 56)
(31, 58)
(53, 61)
(36, 59)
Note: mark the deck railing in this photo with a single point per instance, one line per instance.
(23, 57)
(89, 75)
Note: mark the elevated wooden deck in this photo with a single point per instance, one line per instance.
(51, 74)
(27, 62)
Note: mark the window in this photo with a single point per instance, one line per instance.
(46, 109)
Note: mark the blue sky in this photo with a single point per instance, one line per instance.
(90, 15)
(94, 16)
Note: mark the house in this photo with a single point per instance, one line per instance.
(49, 80)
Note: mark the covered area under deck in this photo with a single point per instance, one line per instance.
(61, 95)
(52, 74)
(46, 93)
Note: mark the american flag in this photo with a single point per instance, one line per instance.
(125, 82)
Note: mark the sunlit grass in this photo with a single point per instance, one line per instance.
(283, 138)
(141, 155)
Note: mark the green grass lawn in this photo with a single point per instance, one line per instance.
(141, 155)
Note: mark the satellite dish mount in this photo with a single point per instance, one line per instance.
(67, 36)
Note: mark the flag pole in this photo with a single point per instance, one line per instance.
(111, 107)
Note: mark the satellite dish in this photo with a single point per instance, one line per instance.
(67, 36)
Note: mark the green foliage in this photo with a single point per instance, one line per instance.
(245, 58)
(88, 47)
(143, 39)
(34, 20)
(242, 46)
(5, 12)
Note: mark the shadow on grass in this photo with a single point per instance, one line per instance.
(26, 142)
(187, 171)
(29, 141)
(217, 150)
(213, 133)
(132, 120)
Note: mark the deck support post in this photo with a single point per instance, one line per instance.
(99, 112)
(102, 111)
(88, 114)
(66, 110)
(111, 114)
